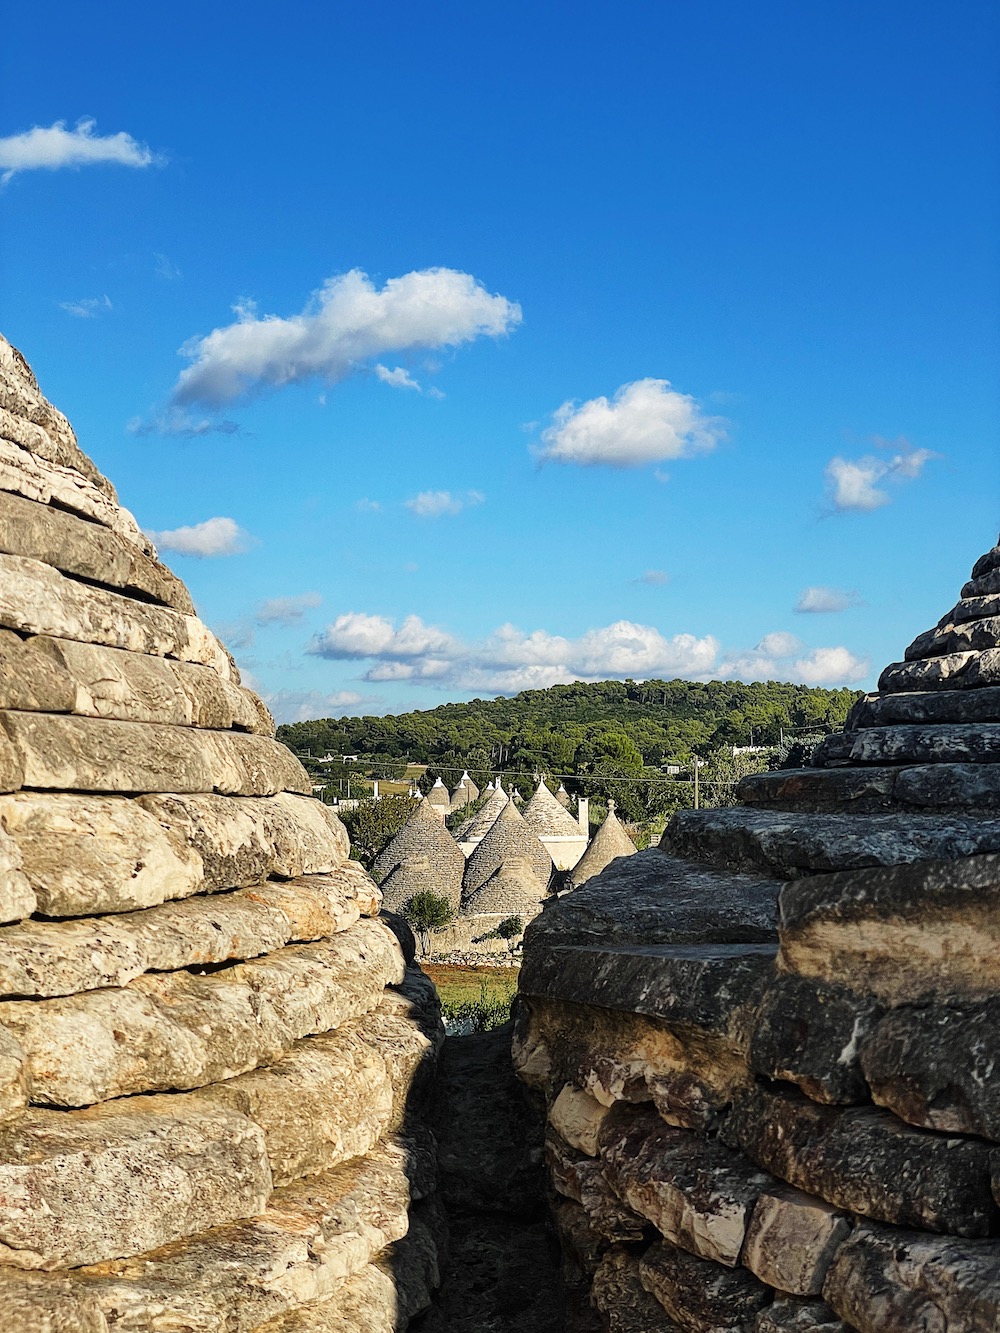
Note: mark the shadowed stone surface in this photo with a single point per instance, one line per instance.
(791, 1239)
(698, 1294)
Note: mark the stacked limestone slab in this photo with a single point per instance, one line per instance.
(769, 1048)
(213, 1053)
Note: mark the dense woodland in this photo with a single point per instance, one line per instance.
(613, 736)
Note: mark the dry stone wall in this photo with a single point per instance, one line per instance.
(768, 1048)
(214, 1054)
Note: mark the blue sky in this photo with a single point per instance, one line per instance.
(603, 337)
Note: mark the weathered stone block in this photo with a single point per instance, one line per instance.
(311, 1238)
(176, 1030)
(48, 1305)
(936, 1066)
(583, 1179)
(788, 1315)
(973, 636)
(14, 1085)
(17, 897)
(791, 1239)
(696, 1192)
(860, 791)
(700, 1295)
(94, 755)
(962, 669)
(885, 932)
(884, 1280)
(86, 550)
(47, 958)
(25, 406)
(577, 1117)
(809, 1033)
(868, 1162)
(30, 679)
(929, 706)
(655, 898)
(37, 599)
(973, 787)
(942, 743)
(82, 1188)
(618, 1293)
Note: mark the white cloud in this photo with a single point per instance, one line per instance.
(821, 600)
(89, 308)
(48, 149)
(285, 610)
(645, 422)
(304, 705)
(781, 656)
(347, 323)
(214, 537)
(165, 268)
(366, 506)
(177, 421)
(396, 379)
(434, 504)
(654, 578)
(858, 484)
(356, 635)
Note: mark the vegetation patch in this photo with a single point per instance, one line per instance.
(473, 999)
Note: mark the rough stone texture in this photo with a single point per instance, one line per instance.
(877, 710)
(700, 1295)
(791, 1239)
(184, 1030)
(810, 1033)
(617, 1291)
(46, 958)
(943, 743)
(868, 1162)
(184, 970)
(74, 546)
(90, 1186)
(697, 1193)
(788, 1315)
(88, 754)
(577, 1117)
(884, 1280)
(888, 930)
(936, 1066)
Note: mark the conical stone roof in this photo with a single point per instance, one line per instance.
(152, 830)
(483, 820)
(423, 841)
(547, 817)
(929, 739)
(610, 841)
(438, 795)
(562, 796)
(509, 837)
(465, 793)
(512, 890)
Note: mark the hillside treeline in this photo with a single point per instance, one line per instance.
(573, 728)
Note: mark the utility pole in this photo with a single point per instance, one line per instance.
(697, 761)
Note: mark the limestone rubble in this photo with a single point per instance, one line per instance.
(772, 1040)
(215, 1056)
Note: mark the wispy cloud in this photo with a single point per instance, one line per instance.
(860, 484)
(646, 421)
(214, 537)
(397, 378)
(177, 421)
(304, 705)
(54, 147)
(346, 325)
(435, 504)
(286, 610)
(89, 308)
(366, 506)
(653, 578)
(782, 656)
(165, 268)
(821, 601)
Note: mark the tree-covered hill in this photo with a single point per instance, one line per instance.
(570, 728)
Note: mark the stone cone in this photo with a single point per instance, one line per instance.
(772, 1039)
(422, 857)
(208, 1039)
(509, 837)
(610, 841)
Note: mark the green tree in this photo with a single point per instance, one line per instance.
(511, 928)
(372, 825)
(427, 911)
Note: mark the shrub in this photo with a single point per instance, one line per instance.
(427, 911)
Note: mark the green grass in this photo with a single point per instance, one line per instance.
(474, 999)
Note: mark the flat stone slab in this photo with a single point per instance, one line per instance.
(884, 1280)
(936, 1066)
(868, 1162)
(791, 1240)
(788, 1315)
(37, 599)
(89, 1186)
(585, 1181)
(95, 755)
(618, 1293)
(85, 550)
(963, 669)
(940, 788)
(185, 1031)
(939, 743)
(30, 678)
(654, 898)
(696, 1192)
(699, 1294)
(622, 1056)
(73, 855)
(13, 1078)
(885, 932)
(929, 706)
(973, 635)
(39, 959)
(810, 1033)
(298, 1251)
(789, 845)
